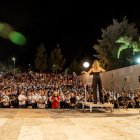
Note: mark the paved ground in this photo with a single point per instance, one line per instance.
(29, 124)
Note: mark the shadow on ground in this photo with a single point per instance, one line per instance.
(63, 113)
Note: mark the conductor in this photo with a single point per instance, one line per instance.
(95, 70)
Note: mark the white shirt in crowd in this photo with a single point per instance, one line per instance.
(34, 98)
(41, 101)
(5, 100)
(22, 99)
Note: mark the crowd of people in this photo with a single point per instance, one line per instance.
(40, 90)
(46, 90)
(124, 99)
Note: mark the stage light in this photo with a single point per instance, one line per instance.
(86, 64)
(14, 60)
(138, 60)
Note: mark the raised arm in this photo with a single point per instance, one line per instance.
(103, 70)
(90, 70)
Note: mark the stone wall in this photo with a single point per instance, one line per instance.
(127, 78)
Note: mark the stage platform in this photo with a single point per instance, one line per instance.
(91, 105)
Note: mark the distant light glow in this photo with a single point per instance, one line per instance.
(138, 60)
(86, 64)
(13, 58)
(5, 30)
(17, 38)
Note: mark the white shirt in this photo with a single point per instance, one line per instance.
(41, 101)
(22, 99)
(34, 98)
(5, 100)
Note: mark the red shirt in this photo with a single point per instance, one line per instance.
(55, 104)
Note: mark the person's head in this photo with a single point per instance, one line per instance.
(95, 64)
(42, 93)
(123, 93)
(72, 94)
(55, 93)
(22, 92)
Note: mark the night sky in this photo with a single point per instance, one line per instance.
(76, 26)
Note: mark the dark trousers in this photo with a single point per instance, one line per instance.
(8, 106)
(97, 83)
(22, 106)
(34, 105)
(0, 105)
(62, 104)
(67, 105)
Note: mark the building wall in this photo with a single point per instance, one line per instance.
(126, 78)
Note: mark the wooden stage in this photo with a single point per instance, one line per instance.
(91, 105)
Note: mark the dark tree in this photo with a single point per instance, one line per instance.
(57, 60)
(41, 58)
(107, 49)
(74, 67)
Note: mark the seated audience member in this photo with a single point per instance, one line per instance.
(137, 100)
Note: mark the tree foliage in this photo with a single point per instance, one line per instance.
(57, 60)
(41, 58)
(107, 48)
(128, 43)
(2, 67)
(74, 67)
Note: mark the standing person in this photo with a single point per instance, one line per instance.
(62, 100)
(55, 100)
(96, 70)
(73, 101)
(22, 99)
(33, 98)
(6, 101)
(41, 99)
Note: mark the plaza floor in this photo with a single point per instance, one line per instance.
(47, 124)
